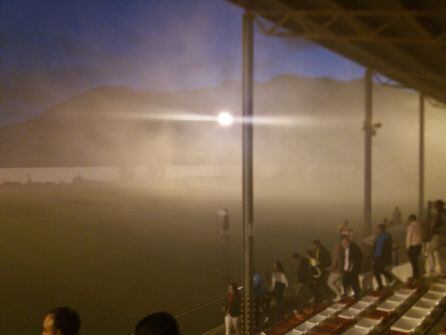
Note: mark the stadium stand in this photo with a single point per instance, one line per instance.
(400, 310)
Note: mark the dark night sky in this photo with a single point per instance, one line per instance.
(71, 46)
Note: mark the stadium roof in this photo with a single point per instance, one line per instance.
(405, 40)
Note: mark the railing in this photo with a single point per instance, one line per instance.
(209, 315)
(202, 318)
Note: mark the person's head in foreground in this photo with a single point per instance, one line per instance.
(160, 323)
(61, 321)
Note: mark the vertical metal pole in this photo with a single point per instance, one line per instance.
(421, 162)
(368, 133)
(248, 199)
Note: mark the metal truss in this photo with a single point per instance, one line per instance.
(437, 104)
(368, 26)
(386, 81)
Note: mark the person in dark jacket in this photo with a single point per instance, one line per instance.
(232, 310)
(323, 258)
(351, 266)
(316, 276)
(302, 293)
(322, 254)
(382, 256)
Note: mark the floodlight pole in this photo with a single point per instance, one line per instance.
(368, 134)
(421, 161)
(248, 199)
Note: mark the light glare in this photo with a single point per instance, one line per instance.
(225, 119)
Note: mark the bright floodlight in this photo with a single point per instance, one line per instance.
(225, 119)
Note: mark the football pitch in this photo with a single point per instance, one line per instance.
(116, 254)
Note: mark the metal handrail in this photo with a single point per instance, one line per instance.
(196, 308)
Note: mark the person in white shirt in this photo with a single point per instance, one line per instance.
(414, 240)
(278, 286)
(335, 277)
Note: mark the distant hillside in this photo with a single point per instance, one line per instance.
(309, 131)
(315, 122)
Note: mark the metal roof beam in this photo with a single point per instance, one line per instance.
(357, 31)
(390, 54)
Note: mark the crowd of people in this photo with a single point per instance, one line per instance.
(321, 275)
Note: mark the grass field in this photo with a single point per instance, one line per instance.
(117, 254)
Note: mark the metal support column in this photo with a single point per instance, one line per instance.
(248, 199)
(421, 161)
(368, 133)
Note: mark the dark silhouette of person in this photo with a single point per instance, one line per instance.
(61, 321)
(351, 266)
(160, 323)
(232, 310)
(303, 293)
(323, 257)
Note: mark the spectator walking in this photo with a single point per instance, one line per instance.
(324, 259)
(61, 321)
(160, 323)
(278, 287)
(232, 310)
(351, 266)
(335, 273)
(382, 256)
(316, 276)
(414, 240)
(302, 292)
